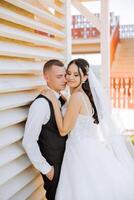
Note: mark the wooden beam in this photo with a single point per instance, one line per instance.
(86, 13)
(105, 45)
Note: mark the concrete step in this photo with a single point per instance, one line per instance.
(124, 61)
(120, 49)
(130, 57)
(120, 70)
(123, 64)
(124, 57)
(127, 68)
(127, 41)
(131, 45)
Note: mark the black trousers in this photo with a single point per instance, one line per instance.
(51, 186)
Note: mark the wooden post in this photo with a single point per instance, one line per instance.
(68, 33)
(105, 45)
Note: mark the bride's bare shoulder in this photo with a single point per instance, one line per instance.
(76, 96)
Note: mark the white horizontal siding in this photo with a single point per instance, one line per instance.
(16, 99)
(29, 36)
(36, 11)
(13, 133)
(8, 15)
(13, 168)
(12, 116)
(17, 183)
(11, 153)
(11, 83)
(38, 194)
(14, 66)
(25, 51)
(33, 190)
(51, 4)
(15, 33)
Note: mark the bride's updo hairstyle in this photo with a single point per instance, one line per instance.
(83, 66)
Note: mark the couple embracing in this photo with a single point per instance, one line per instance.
(62, 139)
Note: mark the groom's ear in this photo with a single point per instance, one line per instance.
(45, 75)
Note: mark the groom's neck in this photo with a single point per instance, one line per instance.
(57, 91)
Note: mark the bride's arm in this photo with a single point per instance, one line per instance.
(66, 123)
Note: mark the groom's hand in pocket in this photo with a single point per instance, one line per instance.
(50, 174)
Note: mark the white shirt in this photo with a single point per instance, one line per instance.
(39, 114)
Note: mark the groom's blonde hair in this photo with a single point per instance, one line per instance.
(48, 65)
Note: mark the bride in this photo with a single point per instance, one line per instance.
(92, 169)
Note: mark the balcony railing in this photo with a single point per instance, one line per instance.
(83, 28)
(127, 31)
(122, 90)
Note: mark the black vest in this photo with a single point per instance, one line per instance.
(51, 144)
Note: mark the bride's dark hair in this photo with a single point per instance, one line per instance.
(84, 66)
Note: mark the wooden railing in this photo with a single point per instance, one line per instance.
(122, 82)
(84, 33)
(115, 37)
(127, 31)
(83, 28)
(122, 90)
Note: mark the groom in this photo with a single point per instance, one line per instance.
(42, 141)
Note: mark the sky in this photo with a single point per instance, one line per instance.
(123, 8)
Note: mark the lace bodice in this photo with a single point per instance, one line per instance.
(84, 127)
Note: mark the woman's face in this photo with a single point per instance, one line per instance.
(73, 77)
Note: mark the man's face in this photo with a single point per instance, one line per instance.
(55, 78)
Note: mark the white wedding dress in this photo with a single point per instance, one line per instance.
(90, 170)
